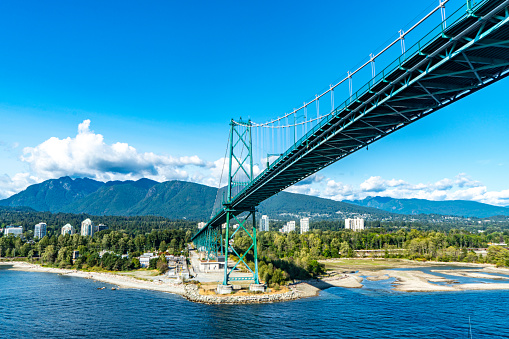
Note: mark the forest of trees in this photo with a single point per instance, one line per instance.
(133, 225)
(57, 250)
(289, 256)
(282, 257)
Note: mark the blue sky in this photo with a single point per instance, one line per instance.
(154, 85)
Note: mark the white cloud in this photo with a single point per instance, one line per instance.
(462, 187)
(20, 181)
(88, 155)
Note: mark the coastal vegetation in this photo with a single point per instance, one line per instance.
(109, 249)
(282, 256)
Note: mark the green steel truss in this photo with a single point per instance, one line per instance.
(446, 65)
(210, 242)
(229, 237)
(240, 175)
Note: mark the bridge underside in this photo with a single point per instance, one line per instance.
(469, 55)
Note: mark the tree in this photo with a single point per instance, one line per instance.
(162, 264)
(163, 246)
(315, 268)
(49, 254)
(344, 249)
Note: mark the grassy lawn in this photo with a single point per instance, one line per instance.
(141, 274)
(373, 264)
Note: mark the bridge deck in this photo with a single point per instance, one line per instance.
(472, 53)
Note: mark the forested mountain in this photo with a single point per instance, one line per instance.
(292, 203)
(420, 206)
(171, 199)
(51, 195)
(181, 199)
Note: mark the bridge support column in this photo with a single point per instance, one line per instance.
(240, 254)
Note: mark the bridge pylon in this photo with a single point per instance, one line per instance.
(240, 174)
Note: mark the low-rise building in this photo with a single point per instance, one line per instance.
(212, 265)
(16, 231)
(67, 229)
(40, 230)
(145, 259)
(201, 225)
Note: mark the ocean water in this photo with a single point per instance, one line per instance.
(40, 305)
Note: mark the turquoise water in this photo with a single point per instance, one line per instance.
(49, 305)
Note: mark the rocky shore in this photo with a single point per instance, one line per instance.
(193, 294)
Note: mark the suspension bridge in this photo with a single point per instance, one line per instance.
(464, 53)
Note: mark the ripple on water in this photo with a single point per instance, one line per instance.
(48, 305)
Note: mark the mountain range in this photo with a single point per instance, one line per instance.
(461, 208)
(170, 199)
(182, 199)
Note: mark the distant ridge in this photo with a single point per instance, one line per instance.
(461, 208)
(52, 195)
(181, 199)
(170, 199)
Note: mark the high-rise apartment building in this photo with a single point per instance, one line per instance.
(40, 230)
(356, 224)
(288, 227)
(304, 225)
(264, 223)
(100, 227)
(68, 229)
(87, 227)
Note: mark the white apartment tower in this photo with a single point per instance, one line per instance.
(40, 230)
(264, 223)
(356, 224)
(304, 225)
(68, 229)
(290, 226)
(87, 227)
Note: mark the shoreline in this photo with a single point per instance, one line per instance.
(187, 291)
(409, 278)
(347, 274)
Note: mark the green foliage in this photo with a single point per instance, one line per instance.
(498, 255)
(315, 268)
(162, 264)
(171, 199)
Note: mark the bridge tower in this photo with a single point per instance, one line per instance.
(240, 175)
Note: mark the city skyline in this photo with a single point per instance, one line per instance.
(111, 101)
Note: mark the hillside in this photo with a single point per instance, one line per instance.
(292, 203)
(171, 199)
(52, 195)
(420, 206)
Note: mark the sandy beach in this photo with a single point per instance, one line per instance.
(161, 284)
(346, 273)
(118, 280)
(414, 280)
